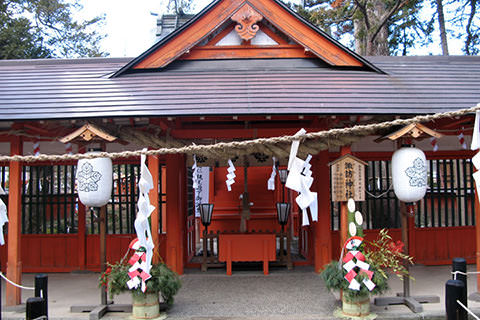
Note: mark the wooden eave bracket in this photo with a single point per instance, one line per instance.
(413, 130)
(88, 132)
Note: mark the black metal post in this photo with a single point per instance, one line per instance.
(36, 309)
(41, 289)
(460, 265)
(455, 290)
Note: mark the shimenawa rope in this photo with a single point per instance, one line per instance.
(191, 149)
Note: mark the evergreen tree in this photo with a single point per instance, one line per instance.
(378, 27)
(46, 28)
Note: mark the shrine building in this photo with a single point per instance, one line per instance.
(238, 70)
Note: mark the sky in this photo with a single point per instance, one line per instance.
(130, 28)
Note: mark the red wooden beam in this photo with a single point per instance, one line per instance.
(322, 245)
(14, 267)
(176, 180)
(154, 168)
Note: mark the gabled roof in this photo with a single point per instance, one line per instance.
(83, 88)
(313, 40)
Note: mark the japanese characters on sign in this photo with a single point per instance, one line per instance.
(348, 179)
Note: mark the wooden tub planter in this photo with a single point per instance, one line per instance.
(357, 308)
(146, 306)
(243, 247)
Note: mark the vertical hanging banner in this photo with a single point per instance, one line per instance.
(202, 191)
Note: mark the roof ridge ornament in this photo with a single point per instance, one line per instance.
(246, 18)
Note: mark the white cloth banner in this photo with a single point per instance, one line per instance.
(476, 133)
(3, 217)
(203, 188)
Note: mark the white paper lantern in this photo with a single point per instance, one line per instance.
(94, 181)
(409, 174)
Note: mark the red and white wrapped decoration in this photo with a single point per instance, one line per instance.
(138, 275)
(36, 147)
(434, 143)
(354, 258)
(461, 139)
(141, 261)
(68, 148)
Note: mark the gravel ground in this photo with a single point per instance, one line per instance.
(251, 294)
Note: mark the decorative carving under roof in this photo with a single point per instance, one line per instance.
(247, 19)
(413, 130)
(88, 132)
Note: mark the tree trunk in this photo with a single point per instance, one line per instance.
(366, 41)
(441, 24)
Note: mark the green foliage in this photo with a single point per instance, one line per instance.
(386, 254)
(46, 28)
(163, 280)
(333, 276)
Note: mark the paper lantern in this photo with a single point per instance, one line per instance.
(409, 174)
(94, 181)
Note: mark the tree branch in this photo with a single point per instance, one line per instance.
(363, 9)
(468, 41)
(398, 5)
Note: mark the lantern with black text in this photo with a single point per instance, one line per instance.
(409, 174)
(94, 181)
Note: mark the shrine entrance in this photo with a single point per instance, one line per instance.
(244, 228)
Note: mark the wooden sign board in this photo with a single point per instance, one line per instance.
(348, 178)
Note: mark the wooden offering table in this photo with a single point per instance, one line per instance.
(247, 247)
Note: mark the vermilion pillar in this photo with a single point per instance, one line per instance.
(14, 264)
(322, 228)
(154, 168)
(176, 211)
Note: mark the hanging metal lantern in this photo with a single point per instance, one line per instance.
(94, 181)
(409, 174)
